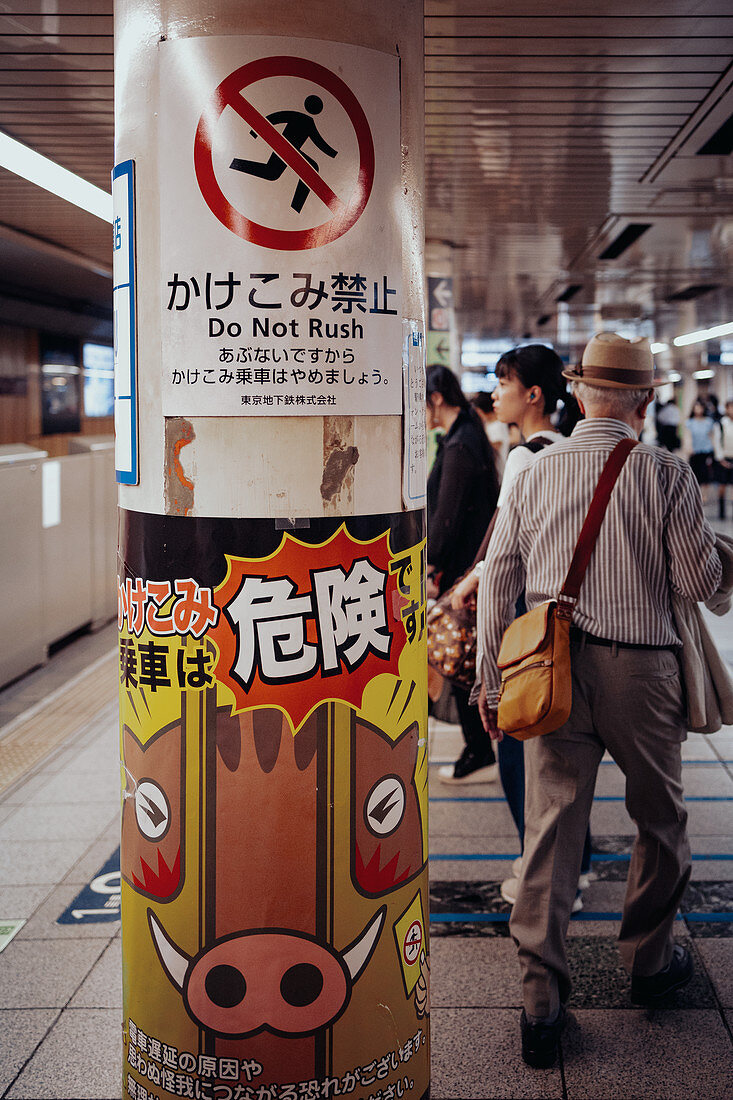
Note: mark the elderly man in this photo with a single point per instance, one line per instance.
(627, 694)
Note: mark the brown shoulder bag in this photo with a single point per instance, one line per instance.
(534, 658)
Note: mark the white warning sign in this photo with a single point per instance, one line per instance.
(281, 232)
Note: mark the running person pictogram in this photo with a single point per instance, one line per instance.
(298, 129)
(344, 209)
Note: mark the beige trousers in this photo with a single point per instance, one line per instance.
(628, 701)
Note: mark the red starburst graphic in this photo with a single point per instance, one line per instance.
(308, 623)
(162, 883)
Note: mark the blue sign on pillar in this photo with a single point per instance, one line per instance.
(125, 327)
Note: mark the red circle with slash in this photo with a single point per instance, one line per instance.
(412, 943)
(229, 94)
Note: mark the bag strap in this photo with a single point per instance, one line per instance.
(537, 444)
(534, 445)
(589, 532)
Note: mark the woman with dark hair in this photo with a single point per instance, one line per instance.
(496, 432)
(701, 429)
(461, 497)
(528, 392)
(530, 386)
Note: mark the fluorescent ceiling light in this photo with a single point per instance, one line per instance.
(32, 166)
(471, 382)
(479, 360)
(703, 334)
(656, 348)
(703, 374)
(59, 368)
(673, 376)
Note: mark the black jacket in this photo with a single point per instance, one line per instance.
(462, 492)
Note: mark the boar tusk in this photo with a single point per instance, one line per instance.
(358, 954)
(175, 963)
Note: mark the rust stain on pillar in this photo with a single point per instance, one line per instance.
(340, 456)
(178, 488)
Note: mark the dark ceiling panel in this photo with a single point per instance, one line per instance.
(547, 135)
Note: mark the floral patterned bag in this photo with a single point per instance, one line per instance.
(452, 639)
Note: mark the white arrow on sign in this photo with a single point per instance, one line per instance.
(443, 294)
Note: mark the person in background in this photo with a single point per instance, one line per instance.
(462, 491)
(627, 695)
(496, 431)
(530, 387)
(568, 415)
(668, 422)
(725, 463)
(701, 429)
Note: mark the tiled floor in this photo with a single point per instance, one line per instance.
(60, 996)
(610, 1049)
(60, 990)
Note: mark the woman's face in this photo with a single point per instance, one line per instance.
(511, 400)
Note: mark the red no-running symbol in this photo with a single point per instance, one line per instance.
(229, 94)
(412, 943)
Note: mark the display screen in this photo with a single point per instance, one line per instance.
(99, 379)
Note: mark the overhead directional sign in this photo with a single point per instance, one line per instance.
(440, 319)
(281, 236)
(442, 292)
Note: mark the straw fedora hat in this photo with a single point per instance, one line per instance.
(612, 360)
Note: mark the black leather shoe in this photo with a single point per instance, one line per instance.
(541, 1042)
(676, 974)
(470, 768)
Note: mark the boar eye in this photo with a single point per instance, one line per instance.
(301, 984)
(225, 986)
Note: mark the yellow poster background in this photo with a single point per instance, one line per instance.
(305, 846)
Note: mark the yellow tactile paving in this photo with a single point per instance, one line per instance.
(32, 736)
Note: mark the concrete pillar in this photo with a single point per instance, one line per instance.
(270, 412)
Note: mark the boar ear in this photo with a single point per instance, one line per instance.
(174, 962)
(358, 953)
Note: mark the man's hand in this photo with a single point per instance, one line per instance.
(489, 717)
(463, 591)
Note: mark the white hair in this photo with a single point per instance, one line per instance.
(614, 402)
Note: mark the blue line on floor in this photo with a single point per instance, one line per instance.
(688, 798)
(610, 763)
(468, 798)
(611, 857)
(701, 918)
(499, 918)
(474, 855)
(469, 918)
(597, 798)
(599, 857)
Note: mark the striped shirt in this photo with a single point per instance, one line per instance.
(653, 540)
